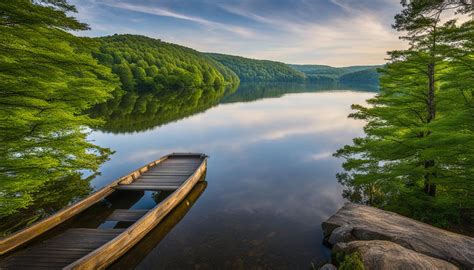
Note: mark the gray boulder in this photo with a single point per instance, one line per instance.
(370, 223)
(385, 255)
(341, 234)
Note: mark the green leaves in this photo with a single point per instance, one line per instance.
(48, 78)
(150, 65)
(417, 153)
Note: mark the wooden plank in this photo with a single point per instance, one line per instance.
(166, 174)
(161, 182)
(156, 181)
(182, 162)
(155, 184)
(173, 168)
(127, 215)
(109, 252)
(188, 172)
(61, 250)
(130, 187)
(164, 178)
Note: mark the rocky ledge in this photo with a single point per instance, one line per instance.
(405, 243)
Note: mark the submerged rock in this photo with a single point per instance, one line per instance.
(379, 254)
(370, 223)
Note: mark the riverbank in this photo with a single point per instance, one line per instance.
(385, 240)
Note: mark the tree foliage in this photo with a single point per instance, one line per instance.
(417, 155)
(48, 79)
(348, 75)
(150, 65)
(251, 70)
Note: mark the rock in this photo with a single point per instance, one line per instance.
(370, 223)
(379, 254)
(328, 266)
(341, 234)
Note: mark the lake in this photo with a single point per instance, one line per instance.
(271, 177)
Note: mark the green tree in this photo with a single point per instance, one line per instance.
(126, 76)
(47, 79)
(415, 157)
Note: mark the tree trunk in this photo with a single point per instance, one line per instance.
(430, 187)
(430, 102)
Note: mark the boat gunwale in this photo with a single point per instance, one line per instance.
(96, 260)
(24, 236)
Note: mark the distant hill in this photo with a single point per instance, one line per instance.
(351, 74)
(366, 76)
(251, 70)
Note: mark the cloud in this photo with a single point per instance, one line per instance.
(159, 11)
(334, 32)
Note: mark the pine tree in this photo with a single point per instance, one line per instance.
(412, 156)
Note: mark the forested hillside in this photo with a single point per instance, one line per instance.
(147, 64)
(162, 82)
(366, 76)
(251, 70)
(351, 74)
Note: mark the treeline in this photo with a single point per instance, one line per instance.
(417, 156)
(251, 70)
(147, 64)
(327, 74)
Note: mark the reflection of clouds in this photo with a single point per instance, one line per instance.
(230, 129)
(321, 155)
(306, 200)
(271, 178)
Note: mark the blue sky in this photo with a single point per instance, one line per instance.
(333, 32)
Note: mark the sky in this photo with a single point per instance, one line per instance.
(332, 32)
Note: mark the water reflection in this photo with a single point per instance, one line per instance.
(255, 91)
(44, 166)
(271, 178)
(271, 173)
(139, 111)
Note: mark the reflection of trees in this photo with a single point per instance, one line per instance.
(254, 91)
(137, 111)
(50, 198)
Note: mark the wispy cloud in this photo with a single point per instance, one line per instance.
(159, 11)
(334, 32)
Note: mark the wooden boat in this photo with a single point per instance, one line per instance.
(97, 248)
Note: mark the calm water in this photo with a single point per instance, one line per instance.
(270, 178)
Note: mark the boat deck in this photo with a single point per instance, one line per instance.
(61, 250)
(74, 243)
(168, 175)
